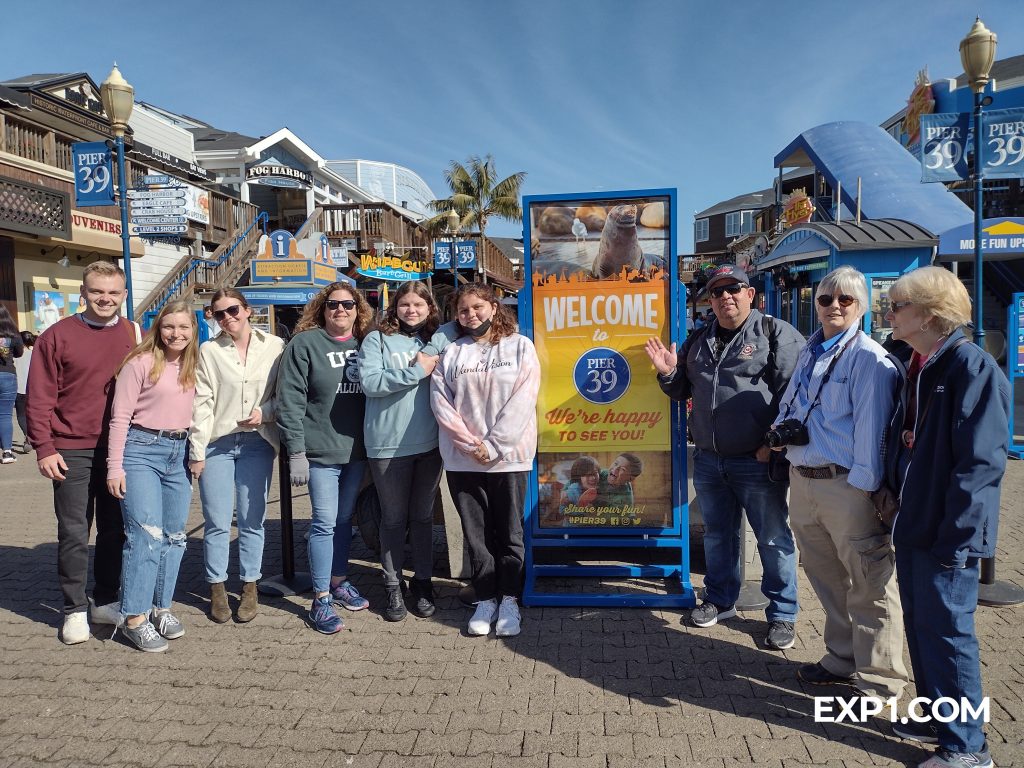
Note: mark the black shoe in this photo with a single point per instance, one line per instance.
(780, 635)
(422, 598)
(815, 674)
(925, 733)
(395, 609)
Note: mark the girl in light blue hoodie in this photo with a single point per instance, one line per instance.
(395, 363)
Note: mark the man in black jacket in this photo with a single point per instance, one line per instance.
(736, 369)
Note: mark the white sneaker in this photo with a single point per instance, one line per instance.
(105, 614)
(508, 618)
(76, 628)
(483, 617)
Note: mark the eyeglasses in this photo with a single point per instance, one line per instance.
(346, 304)
(825, 300)
(220, 314)
(732, 289)
(896, 306)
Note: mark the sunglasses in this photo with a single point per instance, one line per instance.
(732, 289)
(346, 304)
(220, 314)
(844, 300)
(896, 306)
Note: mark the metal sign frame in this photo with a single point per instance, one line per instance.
(672, 537)
(1015, 365)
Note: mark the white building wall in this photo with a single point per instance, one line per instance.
(161, 134)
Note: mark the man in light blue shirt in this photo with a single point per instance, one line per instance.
(842, 392)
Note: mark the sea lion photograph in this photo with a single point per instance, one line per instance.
(619, 245)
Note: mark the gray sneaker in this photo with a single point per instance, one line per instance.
(780, 635)
(168, 625)
(144, 637)
(708, 614)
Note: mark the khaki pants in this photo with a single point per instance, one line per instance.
(848, 558)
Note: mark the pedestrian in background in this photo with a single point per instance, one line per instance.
(147, 470)
(835, 410)
(320, 411)
(735, 370)
(232, 444)
(70, 389)
(946, 454)
(484, 395)
(21, 366)
(11, 347)
(395, 364)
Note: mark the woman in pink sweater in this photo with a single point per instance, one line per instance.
(147, 470)
(484, 396)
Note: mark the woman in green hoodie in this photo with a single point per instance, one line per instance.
(395, 363)
(320, 414)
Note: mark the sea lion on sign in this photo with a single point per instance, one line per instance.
(556, 220)
(619, 247)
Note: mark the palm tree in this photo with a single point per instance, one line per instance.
(477, 195)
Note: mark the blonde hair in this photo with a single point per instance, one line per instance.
(153, 344)
(103, 269)
(313, 314)
(939, 293)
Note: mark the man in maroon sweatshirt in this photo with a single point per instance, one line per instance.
(70, 389)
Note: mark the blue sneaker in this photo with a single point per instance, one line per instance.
(348, 597)
(323, 617)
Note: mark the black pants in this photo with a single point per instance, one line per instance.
(490, 505)
(77, 500)
(406, 487)
(19, 409)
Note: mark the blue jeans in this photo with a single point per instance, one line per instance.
(158, 490)
(938, 613)
(725, 488)
(8, 393)
(333, 489)
(236, 478)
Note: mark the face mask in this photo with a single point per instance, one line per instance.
(411, 329)
(476, 333)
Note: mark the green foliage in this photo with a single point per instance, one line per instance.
(477, 195)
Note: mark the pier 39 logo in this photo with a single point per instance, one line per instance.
(601, 375)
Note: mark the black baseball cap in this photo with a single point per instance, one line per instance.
(726, 272)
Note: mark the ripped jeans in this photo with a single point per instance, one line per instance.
(155, 509)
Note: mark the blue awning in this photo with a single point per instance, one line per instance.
(891, 186)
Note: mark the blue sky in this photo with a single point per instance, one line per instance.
(583, 96)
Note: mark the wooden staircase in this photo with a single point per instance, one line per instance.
(222, 269)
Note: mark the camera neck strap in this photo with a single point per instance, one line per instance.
(824, 380)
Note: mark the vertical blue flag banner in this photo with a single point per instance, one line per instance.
(442, 255)
(1003, 149)
(94, 177)
(944, 143)
(466, 250)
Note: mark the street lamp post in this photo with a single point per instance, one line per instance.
(118, 99)
(977, 53)
(453, 228)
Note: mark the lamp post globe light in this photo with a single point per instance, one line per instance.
(118, 98)
(977, 53)
(453, 227)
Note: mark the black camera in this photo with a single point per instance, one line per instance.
(788, 432)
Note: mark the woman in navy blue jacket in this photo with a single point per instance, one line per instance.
(945, 458)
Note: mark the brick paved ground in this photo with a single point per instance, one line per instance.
(579, 687)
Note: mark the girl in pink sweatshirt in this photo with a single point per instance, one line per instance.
(484, 396)
(147, 470)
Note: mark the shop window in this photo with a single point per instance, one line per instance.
(700, 230)
(878, 300)
(805, 316)
(786, 305)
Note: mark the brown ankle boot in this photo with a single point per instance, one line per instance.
(249, 607)
(219, 610)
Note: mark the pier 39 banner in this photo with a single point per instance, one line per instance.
(600, 288)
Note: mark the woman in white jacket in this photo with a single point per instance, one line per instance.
(233, 442)
(484, 396)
